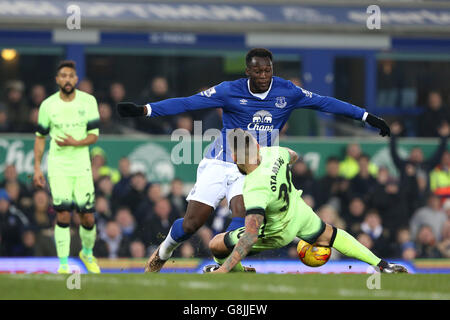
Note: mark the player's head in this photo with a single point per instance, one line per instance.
(66, 76)
(259, 69)
(244, 148)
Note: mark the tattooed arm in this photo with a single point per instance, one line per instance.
(252, 224)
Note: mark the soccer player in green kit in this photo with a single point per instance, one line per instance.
(276, 213)
(71, 118)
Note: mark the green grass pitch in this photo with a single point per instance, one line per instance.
(225, 286)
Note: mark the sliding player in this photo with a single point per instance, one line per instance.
(261, 103)
(276, 213)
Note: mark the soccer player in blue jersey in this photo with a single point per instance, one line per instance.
(260, 103)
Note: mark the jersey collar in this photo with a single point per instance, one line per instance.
(262, 95)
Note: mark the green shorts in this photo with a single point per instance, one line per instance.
(70, 193)
(305, 224)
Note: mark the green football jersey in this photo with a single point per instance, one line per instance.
(269, 187)
(77, 118)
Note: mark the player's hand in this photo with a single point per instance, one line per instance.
(220, 270)
(38, 179)
(379, 123)
(68, 140)
(130, 109)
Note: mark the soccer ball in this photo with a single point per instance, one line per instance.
(312, 255)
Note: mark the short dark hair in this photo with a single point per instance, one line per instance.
(66, 63)
(257, 52)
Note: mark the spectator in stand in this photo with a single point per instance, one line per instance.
(11, 175)
(403, 247)
(16, 106)
(177, 197)
(87, 86)
(136, 193)
(117, 93)
(372, 226)
(221, 217)
(100, 167)
(185, 121)
(158, 90)
(145, 208)
(103, 213)
(12, 223)
(415, 165)
(126, 222)
(426, 244)
(37, 95)
(5, 125)
(104, 187)
(440, 177)
(390, 201)
(354, 215)
(31, 125)
(112, 244)
(331, 186)
(363, 183)
(431, 215)
(137, 249)
(434, 116)
(107, 124)
(121, 187)
(349, 167)
(365, 240)
(444, 244)
(28, 247)
(302, 177)
(156, 227)
(41, 215)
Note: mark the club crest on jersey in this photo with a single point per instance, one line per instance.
(208, 93)
(261, 121)
(280, 102)
(81, 113)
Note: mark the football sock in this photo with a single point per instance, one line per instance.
(236, 223)
(88, 236)
(62, 241)
(175, 237)
(349, 246)
(237, 268)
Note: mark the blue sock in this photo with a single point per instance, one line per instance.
(236, 223)
(177, 233)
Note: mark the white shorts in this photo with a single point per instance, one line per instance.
(216, 180)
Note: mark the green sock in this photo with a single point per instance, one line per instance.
(237, 268)
(62, 242)
(349, 246)
(88, 239)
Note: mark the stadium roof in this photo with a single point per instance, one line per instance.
(237, 16)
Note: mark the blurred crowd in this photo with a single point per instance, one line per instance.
(402, 217)
(19, 108)
(406, 216)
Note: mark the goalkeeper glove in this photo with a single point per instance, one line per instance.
(129, 109)
(379, 123)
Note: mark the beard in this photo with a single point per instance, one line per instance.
(67, 91)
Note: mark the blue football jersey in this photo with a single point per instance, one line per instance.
(262, 114)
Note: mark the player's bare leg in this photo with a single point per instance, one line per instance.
(349, 246)
(182, 229)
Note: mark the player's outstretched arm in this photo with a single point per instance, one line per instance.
(378, 123)
(252, 224)
(130, 109)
